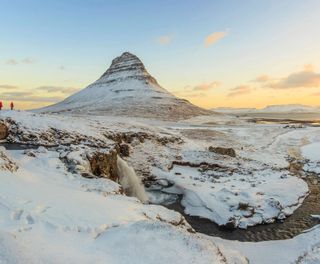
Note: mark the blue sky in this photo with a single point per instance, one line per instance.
(71, 43)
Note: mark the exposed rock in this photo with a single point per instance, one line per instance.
(202, 165)
(124, 150)
(104, 165)
(3, 131)
(231, 224)
(6, 163)
(223, 151)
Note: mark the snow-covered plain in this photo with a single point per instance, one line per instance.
(44, 205)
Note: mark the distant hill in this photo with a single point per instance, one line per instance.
(289, 108)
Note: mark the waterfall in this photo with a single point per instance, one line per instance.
(130, 181)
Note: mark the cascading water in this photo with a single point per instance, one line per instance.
(130, 181)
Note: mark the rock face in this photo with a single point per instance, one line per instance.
(124, 150)
(104, 165)
(127, 89)
(223, 151)
(3, 131)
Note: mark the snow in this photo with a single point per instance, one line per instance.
(42, 205)
(126, 89)
(289, 108)
(74, 219)
(312, 153)
(266, 195)
(303, 248)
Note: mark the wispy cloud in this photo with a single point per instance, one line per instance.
(7, 86)
(28, 61)
(164, 40)
(59, 89)
(11, 62)
(262, 79)
(306, 78)
(214, 37)
(15, 94)
(29, 97)
(240, 90)
(190, 94)
(206, 86)
(23, 61)
(199, 90)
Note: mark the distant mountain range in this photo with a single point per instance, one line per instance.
(127, 89)
(289, 108)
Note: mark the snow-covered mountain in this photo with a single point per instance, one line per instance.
(289, 108)
(127, 89)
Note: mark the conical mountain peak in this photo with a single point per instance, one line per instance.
(127, 65)
(127, 89)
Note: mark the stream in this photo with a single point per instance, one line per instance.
(292, 226)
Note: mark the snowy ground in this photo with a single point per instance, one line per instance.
(312, 153)
(304, 248)
(42, 203)
(49, 215)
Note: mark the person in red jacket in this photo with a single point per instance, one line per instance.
(11, 105)
(1, 105)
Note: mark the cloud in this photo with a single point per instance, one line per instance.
(28, 61)
(7, 86)
(11, 62)
(164, 40)
(240, 90)
(15, 94)
(31, 96)
(24, 61)
(61, 68)
(214, 37)
(28, 97)
(262, 79)
(306, 78)
(198, 90)
(55, 89)
(316, 94)
(206, 86)
(189, 94)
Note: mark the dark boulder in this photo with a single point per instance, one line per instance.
(3, 131)
(223, 151)
(104, 165)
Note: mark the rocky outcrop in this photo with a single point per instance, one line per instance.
(223, 151)
(3, 131)
(104, 164)
(124, 150)
(6, 163)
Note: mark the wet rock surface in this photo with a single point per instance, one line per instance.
(223, 151)
(104, 165)
(3, 131)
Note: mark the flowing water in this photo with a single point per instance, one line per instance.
(130, 181)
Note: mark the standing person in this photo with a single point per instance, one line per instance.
(1, 105)
(11, 105)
